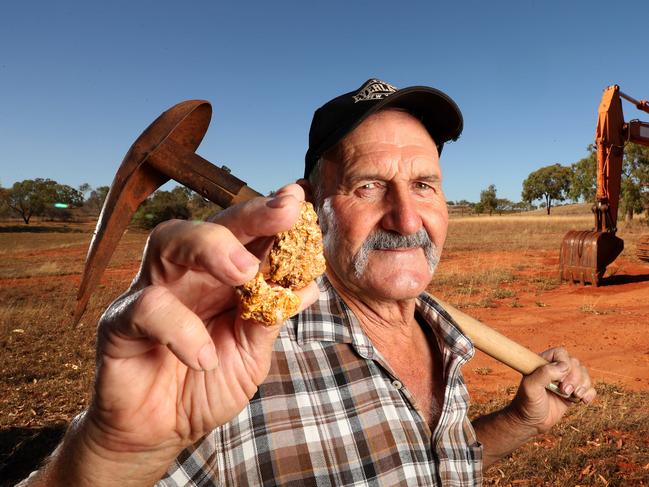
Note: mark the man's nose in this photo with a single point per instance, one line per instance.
(401, 215)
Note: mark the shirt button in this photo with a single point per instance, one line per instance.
(397, 384)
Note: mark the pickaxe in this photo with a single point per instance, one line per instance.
(166, 150)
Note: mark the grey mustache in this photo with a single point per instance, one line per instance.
(382, 239)
(386, 240)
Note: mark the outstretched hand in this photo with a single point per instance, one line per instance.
(174, 358)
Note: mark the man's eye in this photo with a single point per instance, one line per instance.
(425, 186)
(369, 186)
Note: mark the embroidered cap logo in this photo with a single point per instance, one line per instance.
(374, 89)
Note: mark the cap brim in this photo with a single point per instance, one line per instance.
(436, 110)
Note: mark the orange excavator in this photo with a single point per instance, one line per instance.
(585, 254)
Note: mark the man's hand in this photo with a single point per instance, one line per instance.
(537, 408)
(534, 409)
(174, 359)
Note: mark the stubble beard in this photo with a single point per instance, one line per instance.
(379, 240)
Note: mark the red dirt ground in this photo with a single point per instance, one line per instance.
(49, 368)
(606, 326)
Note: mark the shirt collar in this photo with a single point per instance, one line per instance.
(329, 319)
(447, 329)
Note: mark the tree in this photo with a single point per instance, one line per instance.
(96, 199)
(523, 206)
(583, 183)
(488, 199)
(635, 174)
(547, 184)
(40, 197)
(162, 206)
(200, 207)
(504, 205)
(4, 207)
(634, 191)
(84, 188)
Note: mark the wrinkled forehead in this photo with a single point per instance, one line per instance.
(390, 140)
(391, 126)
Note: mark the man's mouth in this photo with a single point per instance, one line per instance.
(396, 249)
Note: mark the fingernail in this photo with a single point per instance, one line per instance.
(279, 201)
(244, 260)
(207, 358)
(568, 389)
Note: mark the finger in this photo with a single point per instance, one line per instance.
(308, 295)
(292, 189)
(254, 337)
(559, 356)
(152, 317)
(577, 381)
(260, 246)
(556, 354)
(588, 395)
(181, 245)
(262, 217)
(573, 378)
(552, 372)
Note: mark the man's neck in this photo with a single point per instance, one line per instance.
(386, 322)
(409, 350)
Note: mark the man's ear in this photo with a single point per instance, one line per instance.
(306, 186)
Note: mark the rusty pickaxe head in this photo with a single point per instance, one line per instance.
(164, 151)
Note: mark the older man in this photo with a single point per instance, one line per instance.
(362, 387)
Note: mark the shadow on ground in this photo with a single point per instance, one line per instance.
(620, 279)
(23, 449)
(38, 229)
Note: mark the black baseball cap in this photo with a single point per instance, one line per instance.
(338, 117)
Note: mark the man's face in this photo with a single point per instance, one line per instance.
(384, 214)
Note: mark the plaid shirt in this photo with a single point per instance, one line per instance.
(331, 413)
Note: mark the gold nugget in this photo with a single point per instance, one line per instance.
(295, 259)
(265, 303)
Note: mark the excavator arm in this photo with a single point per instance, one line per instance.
(610, 136)
(586, 254)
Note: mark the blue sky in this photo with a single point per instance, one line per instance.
(79, 81)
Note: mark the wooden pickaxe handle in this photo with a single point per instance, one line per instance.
(500, 347)
(495, 344)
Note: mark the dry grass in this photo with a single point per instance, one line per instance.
(519, 232)
(605, 443)
(46, 368)
(493, 245)
(526, 232)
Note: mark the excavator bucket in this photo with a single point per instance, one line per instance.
(585, 255)
(642, 250)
